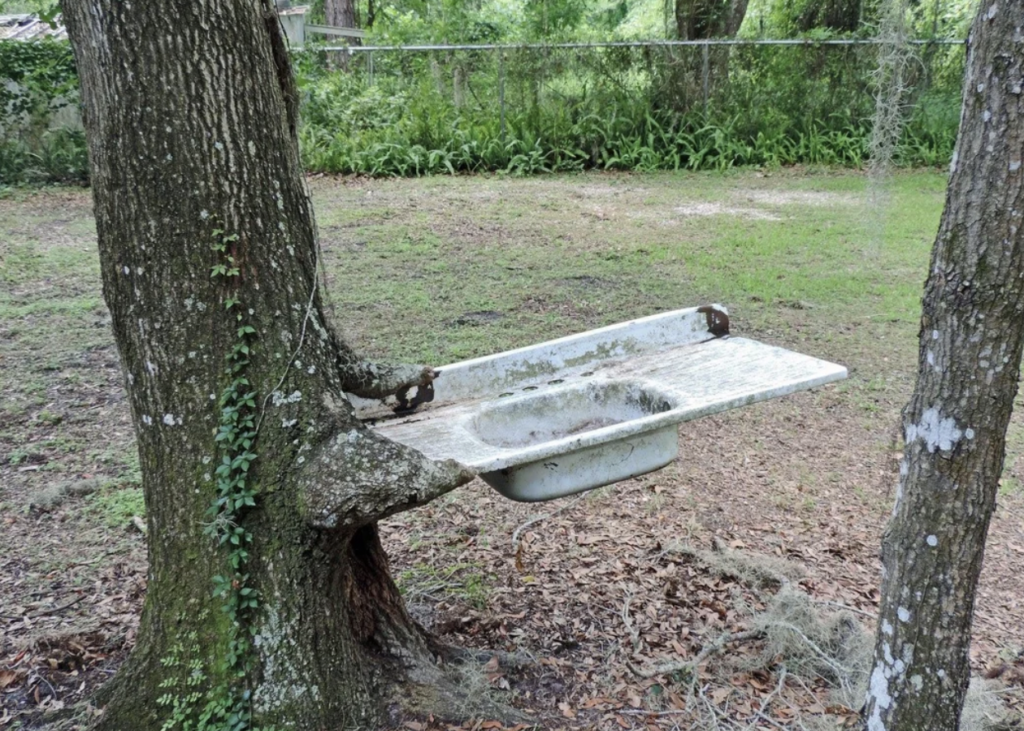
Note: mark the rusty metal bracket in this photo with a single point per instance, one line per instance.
(420, 395)
(717, 319)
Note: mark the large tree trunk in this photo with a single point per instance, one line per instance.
(342, 13)
(697, 20)
(972, 329)
(190, 117)
(694, 78)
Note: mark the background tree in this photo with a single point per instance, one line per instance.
(842, 16)
(553, 18)
(269, 597)
(692, 75)
(342, 13)
(700, 19)
(972, 330)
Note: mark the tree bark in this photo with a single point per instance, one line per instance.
(689, 81)
(342, 13)
(190, 117)
(972, 329)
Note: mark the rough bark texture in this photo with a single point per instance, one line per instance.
(190, 119)
(972, 330)
(342, 13)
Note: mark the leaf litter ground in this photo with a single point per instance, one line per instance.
(779, 500)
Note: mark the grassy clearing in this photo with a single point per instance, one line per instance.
(439, 269)
(566, 253)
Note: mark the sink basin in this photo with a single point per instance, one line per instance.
(536, 418)
(556, 418)
(580, 468)
(564, 420)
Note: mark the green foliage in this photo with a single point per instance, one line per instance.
(115, 505)
(45, 69)
(45, 8)
(614, 109)
(554, 18)
(196, 703)
(772, 19)
(37, 79)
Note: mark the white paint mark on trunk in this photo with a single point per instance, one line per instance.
(935, 430)
(878, 691)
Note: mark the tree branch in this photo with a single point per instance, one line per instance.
(367, 379)
(357, 476)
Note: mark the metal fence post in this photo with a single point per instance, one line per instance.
(704, 74)
(369, 62)
(501, 91)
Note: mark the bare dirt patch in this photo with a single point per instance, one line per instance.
(800, 198)
(698, 210)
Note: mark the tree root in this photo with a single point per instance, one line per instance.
(454, 694)
(509, 660)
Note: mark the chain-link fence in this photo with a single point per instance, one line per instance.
(619, 105)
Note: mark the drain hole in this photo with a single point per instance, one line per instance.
(503, 395)
(587, 374)
(530, 388)
(556, 381)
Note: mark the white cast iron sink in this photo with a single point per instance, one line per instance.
(562, 412)
(591, 409)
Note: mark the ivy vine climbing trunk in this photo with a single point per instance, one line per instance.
(268, 594)
(972, 330)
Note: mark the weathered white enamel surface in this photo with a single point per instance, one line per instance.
(576, 413)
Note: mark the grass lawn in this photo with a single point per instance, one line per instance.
(441, 269)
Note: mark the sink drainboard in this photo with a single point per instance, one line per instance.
(572, 414)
